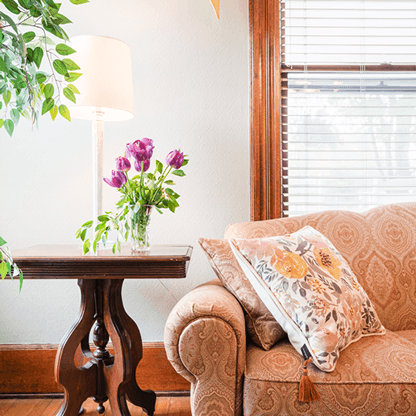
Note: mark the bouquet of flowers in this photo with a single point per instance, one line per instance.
(139, 195)
(6, 264)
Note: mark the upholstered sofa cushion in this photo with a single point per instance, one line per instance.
(261, 326)
(375, 376)
(409, 334)
(310, 290)
(379, 245)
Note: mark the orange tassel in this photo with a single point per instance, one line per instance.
(307, 390)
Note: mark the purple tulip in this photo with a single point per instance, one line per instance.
(138, 165)
(141, 149)
(117, 179)
(123, 164)
(175, 159)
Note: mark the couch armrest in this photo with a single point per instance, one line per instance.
(205, 342)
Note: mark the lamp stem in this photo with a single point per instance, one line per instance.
(97, 164)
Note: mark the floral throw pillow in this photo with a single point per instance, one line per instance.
(311, 291)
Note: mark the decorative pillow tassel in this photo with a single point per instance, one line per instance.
(307, 390)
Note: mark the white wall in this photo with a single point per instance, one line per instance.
(191, 91)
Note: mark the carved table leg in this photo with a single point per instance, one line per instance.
(127, 343)
(79, 382)
(104, 377)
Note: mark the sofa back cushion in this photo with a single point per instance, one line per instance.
(379, 245)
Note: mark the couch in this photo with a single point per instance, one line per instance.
(207, 341)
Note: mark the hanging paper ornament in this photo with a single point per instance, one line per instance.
(216, 4)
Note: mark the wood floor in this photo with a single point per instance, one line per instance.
(165, 406)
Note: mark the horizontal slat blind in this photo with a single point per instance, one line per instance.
(360, 32)
(348, 137)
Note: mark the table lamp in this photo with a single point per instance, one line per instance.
(106, 94)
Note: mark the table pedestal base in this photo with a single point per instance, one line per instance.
(104, 377)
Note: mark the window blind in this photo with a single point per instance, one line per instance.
(348, 104)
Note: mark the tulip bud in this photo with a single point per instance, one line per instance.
(175, 159)
(118, 179)
(138, 165)
(123, 164)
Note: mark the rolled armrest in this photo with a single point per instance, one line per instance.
(205, 342)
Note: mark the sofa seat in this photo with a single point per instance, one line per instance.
(374, 376)
(409, 334)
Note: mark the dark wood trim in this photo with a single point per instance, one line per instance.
(29, 369)
(265, 193)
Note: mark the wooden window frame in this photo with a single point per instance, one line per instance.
(265, 126)
(265, 108)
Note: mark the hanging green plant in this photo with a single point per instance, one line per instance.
(35, 71)
(7, 265)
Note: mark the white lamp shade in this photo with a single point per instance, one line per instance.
(106, 83)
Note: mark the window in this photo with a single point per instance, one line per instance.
(333, 105)
(348, 104)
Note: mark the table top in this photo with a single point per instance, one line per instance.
(68, 262)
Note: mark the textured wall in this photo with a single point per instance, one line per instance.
(191, 90)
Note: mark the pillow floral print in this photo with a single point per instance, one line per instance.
(311, 291)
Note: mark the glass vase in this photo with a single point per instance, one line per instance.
(140, 224)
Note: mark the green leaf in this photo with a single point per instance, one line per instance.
(79, 1)
(70, 64)
(3, 269)
(60, 67)
(86, 246)
(12, 6)
(9, 126)
(35, 12)
(87, 224)
(185, 162)
(83, 234)
(170, 182)
(3, 66)
(51, 4)
(15, 116)
(179, 173)
(2, 241)
(40, 78)
(159, 166)
(60, 19)
(49, 90)
(72, 76)
(37, 56)
(171, 206)
(21, 281)
(63, 49)
(64, 112)
(24, 4)
(73, 88)
(10, 21)
(29, 36)
(54, 112)
(70, 95)
(1, 123)
(103, 218)
(47, 105)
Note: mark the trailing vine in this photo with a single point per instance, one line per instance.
(35, 71)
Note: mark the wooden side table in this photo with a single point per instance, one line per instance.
(100, 278)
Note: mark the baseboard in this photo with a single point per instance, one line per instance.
(29, 370)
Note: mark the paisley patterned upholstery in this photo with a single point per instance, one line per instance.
(379, 245)
(263, 329)
(205, 342)
(376, 376)
(379, 383)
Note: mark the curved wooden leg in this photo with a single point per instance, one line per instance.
(79, 382)
(127, 346)
(144, 398)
